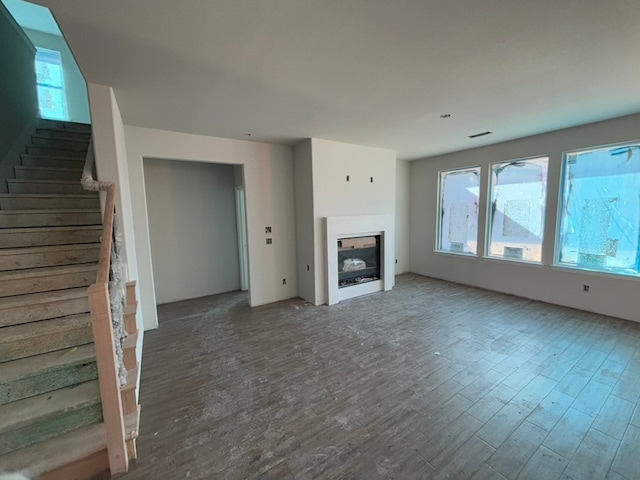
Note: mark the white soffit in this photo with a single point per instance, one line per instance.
(369, 72)
(32, 16)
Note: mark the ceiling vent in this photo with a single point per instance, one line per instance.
(481, 134)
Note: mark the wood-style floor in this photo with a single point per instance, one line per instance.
(430, 380)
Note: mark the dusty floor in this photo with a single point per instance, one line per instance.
(430, 380)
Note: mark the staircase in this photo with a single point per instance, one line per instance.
(51, 417)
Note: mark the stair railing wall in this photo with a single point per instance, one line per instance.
(104, 339)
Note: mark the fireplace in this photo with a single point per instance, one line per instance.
(359, 255)
(358, 260)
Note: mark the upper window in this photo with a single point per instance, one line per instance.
(518, 194)
(50, 79)
(600, 212)
(458, 211)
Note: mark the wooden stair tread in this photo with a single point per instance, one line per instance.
(22, 412)
(25, 331)
(48, 248)
(47, 271)
(49, 212)
(70, 228)
(52, 169)
(42, 297)
(41, 181)
(38, 364)
(84, 141)
(57, 452)
(51, 157)
(50, 195)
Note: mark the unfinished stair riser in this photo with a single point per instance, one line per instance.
(50, 133)
(60, 152)
(46, 161)
(31, 376)
(22, 186)
(29, 339)
(41, 306)
(46, 279)
(57, 143)
(45, 218)
(47, 173)
(49, 256)
(46, 236)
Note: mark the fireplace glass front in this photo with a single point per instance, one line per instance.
(358, 260)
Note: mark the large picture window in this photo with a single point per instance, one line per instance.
(458, 211)
(600, 212)
(518, 195)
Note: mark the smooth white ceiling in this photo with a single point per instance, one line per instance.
(369, 72)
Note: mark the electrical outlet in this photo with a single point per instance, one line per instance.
(307, 268)
(269, 241)
(396, 260)
(347, 178)
(585, 288)
(267, 229)
(284, 281)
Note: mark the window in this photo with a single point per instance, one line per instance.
(600, 211)
(458, 211)
(518, 194)
(50, 79)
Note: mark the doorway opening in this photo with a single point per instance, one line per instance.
(194, 220)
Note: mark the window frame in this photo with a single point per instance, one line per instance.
(438, 240)
(489, 216)
(557, 247)
(62, 88)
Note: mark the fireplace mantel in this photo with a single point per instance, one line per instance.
(356, 226)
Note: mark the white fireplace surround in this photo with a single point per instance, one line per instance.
(359, 226)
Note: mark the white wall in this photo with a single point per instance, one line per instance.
(111, 166)
(18, 103)
(74, 84)
(403, 198)
(109, 147)
(333, 195)
(608, 294)
(268, 179)
(192, 226)
(305, 238)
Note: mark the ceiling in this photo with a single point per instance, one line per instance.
(370, 72)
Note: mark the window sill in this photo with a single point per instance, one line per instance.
(514, 261)
(456, 254)
(595, 273)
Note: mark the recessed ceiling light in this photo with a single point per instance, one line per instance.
(445, 115)
(481, 134)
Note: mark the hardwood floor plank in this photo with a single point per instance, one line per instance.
(593, 458)
(568, 433)
(545, 464)
(627, 461)
(514, 453)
